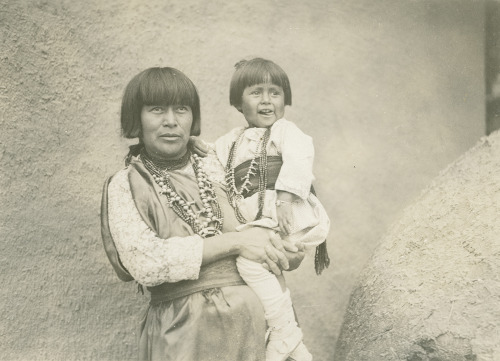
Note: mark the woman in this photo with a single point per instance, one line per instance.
(167, 223)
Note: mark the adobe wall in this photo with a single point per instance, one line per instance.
(431, 290)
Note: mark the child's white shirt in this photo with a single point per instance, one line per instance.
(287, 140)
(311, 223)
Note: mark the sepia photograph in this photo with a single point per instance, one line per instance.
(186, 180)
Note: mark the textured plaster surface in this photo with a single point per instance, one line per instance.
(391, 92)
(432, 289)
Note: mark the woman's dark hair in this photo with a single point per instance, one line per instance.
(157, 86)
(257, 71)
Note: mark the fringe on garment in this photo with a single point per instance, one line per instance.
(321, 259)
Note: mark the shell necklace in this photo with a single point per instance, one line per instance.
(260, 160)
(206, 222)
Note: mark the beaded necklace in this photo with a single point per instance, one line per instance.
(260, 160)
(206, 222)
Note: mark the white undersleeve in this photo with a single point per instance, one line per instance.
(149, 259)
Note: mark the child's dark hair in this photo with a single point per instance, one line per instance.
(257, 71)
(157, 86)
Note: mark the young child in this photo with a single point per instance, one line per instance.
(268, 178)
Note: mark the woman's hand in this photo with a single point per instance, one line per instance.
(294, 253)
(263, 246)
(198, 146)
(296, 258)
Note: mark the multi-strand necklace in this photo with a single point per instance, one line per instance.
(205, 222)
(235, 195)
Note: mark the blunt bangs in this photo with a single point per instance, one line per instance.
(158, 86)
(166, 86)
(257, 71)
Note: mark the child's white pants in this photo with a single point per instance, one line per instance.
(276, 302)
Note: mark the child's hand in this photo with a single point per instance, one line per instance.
(284, 214)
(285, 217)
(199, 146)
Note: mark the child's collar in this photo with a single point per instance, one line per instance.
(255, 133)
(280, 120)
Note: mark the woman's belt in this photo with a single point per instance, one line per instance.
(274, 164)
(218, 274)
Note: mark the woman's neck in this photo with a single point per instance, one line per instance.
(166, 164)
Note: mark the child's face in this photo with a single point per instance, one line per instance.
(262, 104)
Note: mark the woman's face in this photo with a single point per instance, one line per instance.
(166, 130)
